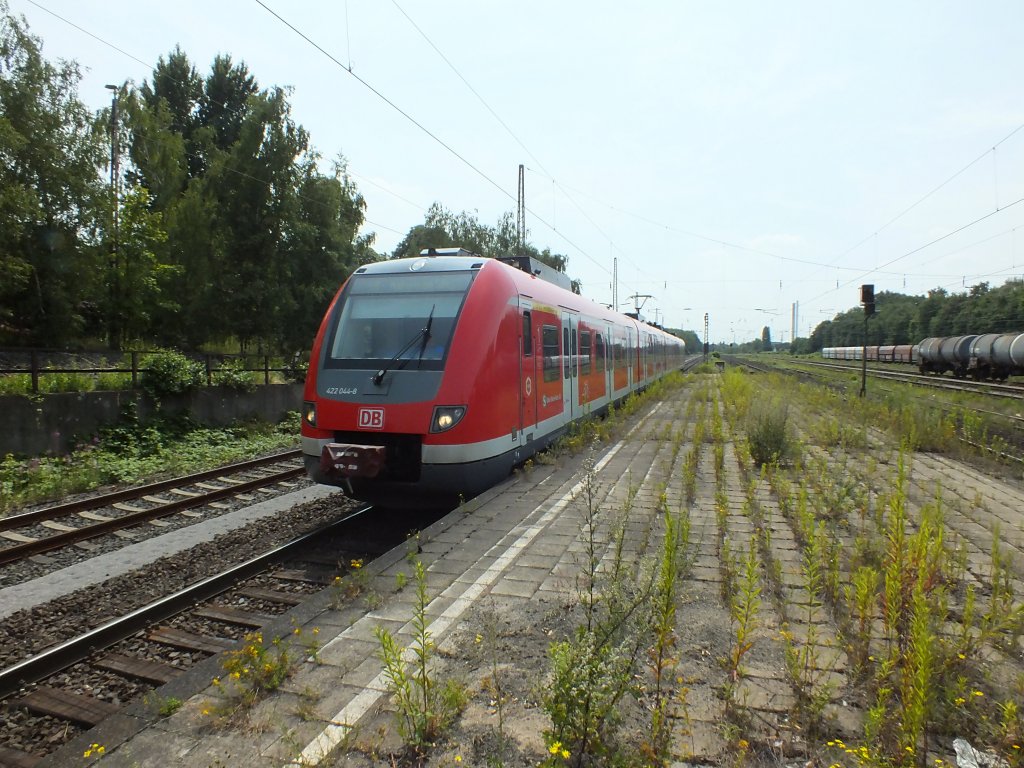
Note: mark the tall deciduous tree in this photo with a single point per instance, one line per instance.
(50, 193)
(261, 238)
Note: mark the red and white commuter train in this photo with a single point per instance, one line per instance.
(432, 377)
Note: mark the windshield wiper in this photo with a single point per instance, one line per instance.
(422, 333)
(426, 331)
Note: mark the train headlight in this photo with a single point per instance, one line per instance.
(446, 416)
(309, 412)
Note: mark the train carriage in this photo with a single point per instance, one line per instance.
(433, 377)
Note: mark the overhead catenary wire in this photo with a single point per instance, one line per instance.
(724, 243)
(422, 127)
(930, 243)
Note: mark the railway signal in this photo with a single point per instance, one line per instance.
(867, 298)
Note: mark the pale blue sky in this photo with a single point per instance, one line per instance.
(735, 156)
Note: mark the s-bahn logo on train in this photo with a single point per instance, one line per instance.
(371, 418)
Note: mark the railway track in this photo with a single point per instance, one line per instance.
(1009, 426)
(43, 530)
(52, 696)
(996, 389)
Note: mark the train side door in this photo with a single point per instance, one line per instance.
(528, 385)
(609, 362)
(630, 359)
(570, 364)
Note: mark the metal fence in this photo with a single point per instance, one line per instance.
(38, 363)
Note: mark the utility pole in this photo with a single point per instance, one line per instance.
(636, 297)
(114, 330)
(706, 344)
(521, 211)
(615, 284)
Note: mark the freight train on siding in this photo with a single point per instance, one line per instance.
(980, 356)
(431, 378)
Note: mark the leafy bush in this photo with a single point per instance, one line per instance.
(296, 368)
(169, 372)
(232, 374)
(768, 433)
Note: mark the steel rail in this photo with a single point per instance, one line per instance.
(27, 549)
(53, 660)
(936, 381)
(104, 500)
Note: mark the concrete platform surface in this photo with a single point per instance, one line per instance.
(519, 543)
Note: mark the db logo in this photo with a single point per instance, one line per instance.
(371, 418)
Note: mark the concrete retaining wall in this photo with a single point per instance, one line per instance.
(51, 423)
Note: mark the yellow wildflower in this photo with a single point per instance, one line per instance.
(555, 747)
(355, 564)
(565, 754)
(94, 749)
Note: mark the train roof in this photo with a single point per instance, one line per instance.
(459, 259)
(453, 259)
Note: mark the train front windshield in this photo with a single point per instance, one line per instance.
(381, 316)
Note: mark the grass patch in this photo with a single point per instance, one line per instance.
(135, 452)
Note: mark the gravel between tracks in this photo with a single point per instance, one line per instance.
(30, 631)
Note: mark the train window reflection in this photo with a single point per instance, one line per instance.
(382, 314)
(549, 339)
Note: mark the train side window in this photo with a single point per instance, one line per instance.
(549, 340)
(585, 351)
(565, 353)
(527, 334)
(599, 352)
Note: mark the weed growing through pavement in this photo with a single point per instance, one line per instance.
(165, 706)
(425, 706)
(768, 433)
(493, 685)
(595, 668)
(348, 587)
(250, 672)
(744, 607)
(663, 657)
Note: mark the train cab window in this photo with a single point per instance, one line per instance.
(549, 340)
(527, 334)
(383, 315)
(599, 351)
(586, 363)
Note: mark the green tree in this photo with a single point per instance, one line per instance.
(260, 238)
(51, 197)
(141, 277)
(766, 339)
(322, 247)
(445, 229)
